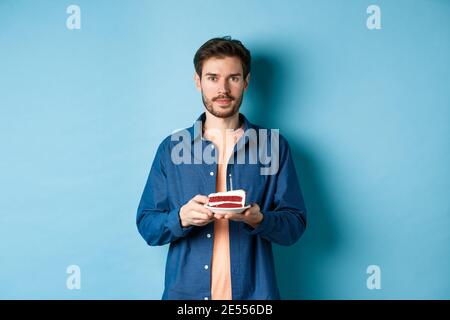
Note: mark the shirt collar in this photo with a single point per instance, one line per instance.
(196, 130)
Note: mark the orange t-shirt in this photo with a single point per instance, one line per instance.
(220, 265)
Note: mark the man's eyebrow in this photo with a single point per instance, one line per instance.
(231, 75)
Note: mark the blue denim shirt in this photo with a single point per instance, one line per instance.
(171, 184)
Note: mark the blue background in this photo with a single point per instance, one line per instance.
(366, 113)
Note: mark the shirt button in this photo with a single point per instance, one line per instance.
(211, 173)
(206, 267)
(206, 298)
(208, 235)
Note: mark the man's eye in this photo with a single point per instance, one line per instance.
(212, 78)
(235, 79)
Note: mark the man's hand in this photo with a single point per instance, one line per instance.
(252, 216)
(194, 213)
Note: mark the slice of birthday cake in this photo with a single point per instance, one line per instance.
(229, 199)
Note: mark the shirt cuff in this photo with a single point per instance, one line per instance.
(174, 224)
(263, 227)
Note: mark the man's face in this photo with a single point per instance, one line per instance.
(222, 85)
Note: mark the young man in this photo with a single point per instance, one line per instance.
(227, 256)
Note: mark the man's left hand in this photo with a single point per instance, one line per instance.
(252, 216)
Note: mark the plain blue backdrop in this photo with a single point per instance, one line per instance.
(366, 113)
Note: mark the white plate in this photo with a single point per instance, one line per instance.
(227, 210)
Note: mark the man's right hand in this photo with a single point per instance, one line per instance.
(194, 213)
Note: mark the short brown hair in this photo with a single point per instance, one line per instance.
(220, 48)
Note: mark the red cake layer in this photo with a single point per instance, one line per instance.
(225, 198)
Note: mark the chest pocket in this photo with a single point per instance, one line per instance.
(249, 178)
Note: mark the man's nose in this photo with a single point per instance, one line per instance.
(224, 88)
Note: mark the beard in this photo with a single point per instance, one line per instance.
(223, 112)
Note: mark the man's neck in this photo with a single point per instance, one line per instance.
(221, 124)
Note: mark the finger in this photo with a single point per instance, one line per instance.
(200, 199)
(254, 208)
(201, 222)
(226, 216)
(234, 216)
(196, 215)
(200, 208)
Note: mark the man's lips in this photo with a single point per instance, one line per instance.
(223, 101)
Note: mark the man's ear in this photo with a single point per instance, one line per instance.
(197, 81)
(247, 80)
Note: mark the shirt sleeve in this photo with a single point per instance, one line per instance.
(286, 223)
(156, 222)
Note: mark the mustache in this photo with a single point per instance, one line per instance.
(223, 97)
